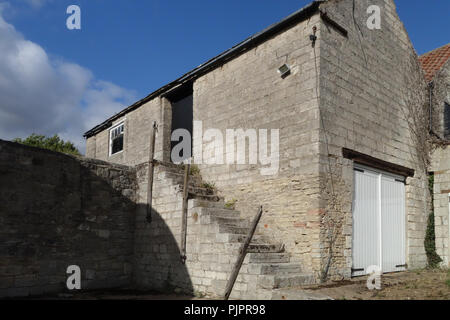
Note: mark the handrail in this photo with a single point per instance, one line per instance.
(242, 254)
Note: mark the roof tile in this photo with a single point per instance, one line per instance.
(434, 60)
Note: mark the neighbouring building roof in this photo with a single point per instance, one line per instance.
(219, 60)
(433, 61)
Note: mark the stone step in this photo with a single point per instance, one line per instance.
(180, 175)
(274, 268)
(202, 203)
(285, 281)
(200, 190)
(180, 171)
(218, 212)
(233, 221)
(234, 248)
(265, 248)
(225, 228)
(240, 238)
(268, 257)
(205, 197)
(230, 221)
(169, 165)
(196, 190)
(177, 169)
(179, 178)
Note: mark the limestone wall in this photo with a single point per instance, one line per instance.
(137, 129)
(58, 210)
(356, 84)
(440, 166)
(440, 96)
(249, 93)
(363, 96)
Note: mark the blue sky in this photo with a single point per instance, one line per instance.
(128, 48)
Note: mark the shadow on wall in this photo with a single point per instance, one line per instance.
(158, 263)
(57, 210)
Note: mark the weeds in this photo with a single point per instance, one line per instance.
(194, 170)
(230, 204)
(209, 186)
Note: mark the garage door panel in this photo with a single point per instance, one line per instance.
(392, 225)
(365, 222)
(378, 221)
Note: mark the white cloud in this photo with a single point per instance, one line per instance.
(37, 3)
(47, 96)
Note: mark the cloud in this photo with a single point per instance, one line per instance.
(48, 96)
(37, 3)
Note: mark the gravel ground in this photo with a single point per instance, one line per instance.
(411, 285)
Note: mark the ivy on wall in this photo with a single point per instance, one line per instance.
(430, 237)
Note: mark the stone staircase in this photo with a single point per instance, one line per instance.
(215, 235)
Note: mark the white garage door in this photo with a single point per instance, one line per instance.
(378, 221)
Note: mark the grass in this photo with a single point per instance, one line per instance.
(230, 204)
(194, 170)
(447, 282)
(210, 186)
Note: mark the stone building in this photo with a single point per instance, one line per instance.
(351, 187)
(436, 65)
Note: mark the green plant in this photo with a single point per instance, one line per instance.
(194, 170)
(430, 237)
(230, 204)
(209, 186)
(54, 143)
(447, 282)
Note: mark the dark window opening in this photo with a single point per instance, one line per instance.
(116, 139)
(446, 120)
(182, 116)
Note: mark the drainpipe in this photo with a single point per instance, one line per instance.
(430, 89)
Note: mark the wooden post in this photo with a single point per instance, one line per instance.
(151, 171)
(187, 168)
(242, 254)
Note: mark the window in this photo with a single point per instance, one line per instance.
(446, 120)
(116, 139)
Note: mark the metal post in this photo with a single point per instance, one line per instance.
(151, 171)
(187, 168)
(242, 253)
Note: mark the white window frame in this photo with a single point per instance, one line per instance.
(121, 123)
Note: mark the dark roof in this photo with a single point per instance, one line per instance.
(433, 61)
(219, 60)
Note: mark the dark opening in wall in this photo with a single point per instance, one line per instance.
(446, 120)
(116, 139)
(182, 114)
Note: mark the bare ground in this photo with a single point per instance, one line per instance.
(422, 284)
(410, 285)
